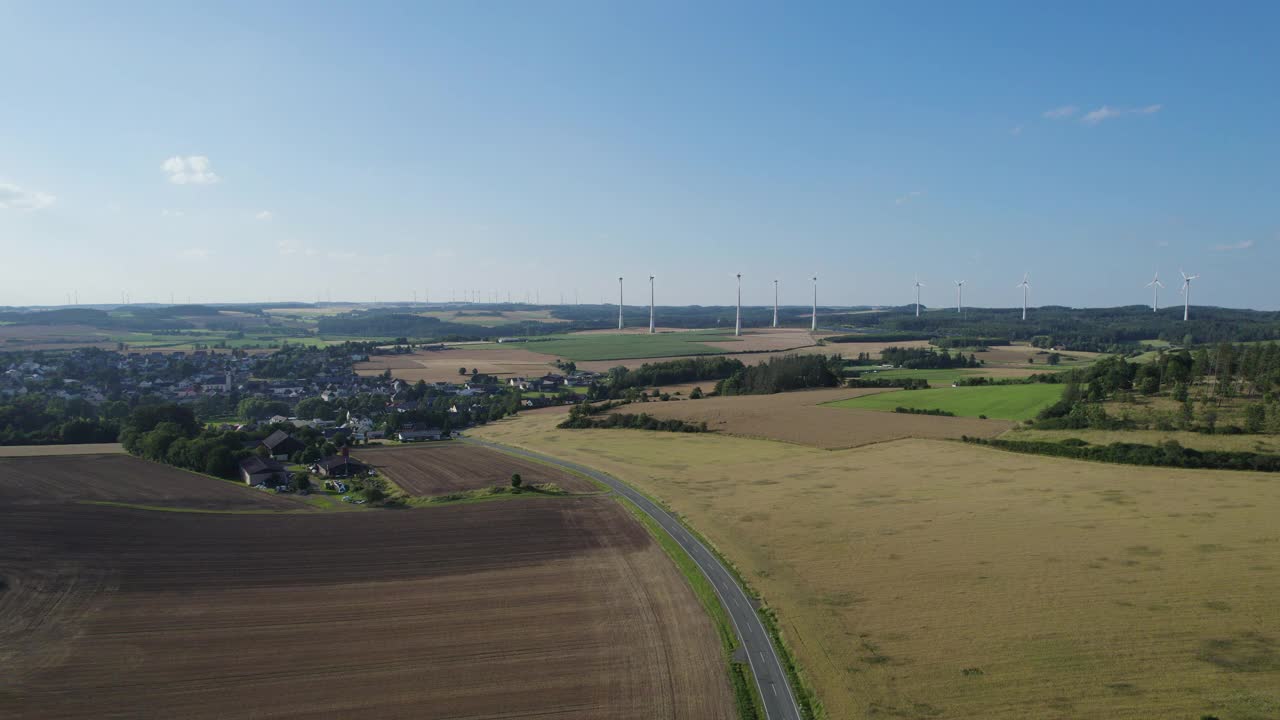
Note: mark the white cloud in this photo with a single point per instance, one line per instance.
(13, 197)
(171, 213)
(1017, 130)
(908, 197)
(444, 254)
(190, 170)
(295, 247)
(1242, 245)
(264, 216)
(1058, 113)
(341, 255)
(1093, 117)
(195, 254)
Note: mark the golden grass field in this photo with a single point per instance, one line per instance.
(931, 579)
(801, 417)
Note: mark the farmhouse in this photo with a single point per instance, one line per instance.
(340, 466)
(281, 445)
(262, 471)
(420, 435)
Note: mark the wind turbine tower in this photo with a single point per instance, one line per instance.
(775, 302)
(652, 328)
(1155, 286)
(918, 286)
(737, 320)
(813, 319)
(1025, 285)
(960, 295)
(1186, 292)
(619, 303)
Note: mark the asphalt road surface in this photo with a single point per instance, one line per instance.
(771, 679)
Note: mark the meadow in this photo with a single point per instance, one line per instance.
(1005, 402)
(930, 579)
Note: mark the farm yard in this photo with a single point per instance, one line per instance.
(814, 418)
(1006, 402)
(428, 469)
(924, 578)
(477, 610)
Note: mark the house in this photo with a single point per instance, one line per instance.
(262, 471)
(420, 435)
(281, 445)
(339, 466)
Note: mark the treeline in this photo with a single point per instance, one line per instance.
(878, 337)
(927, 358)
(875, 382)
(711, 367)
(1118, 329)
(39, 419)
(1169, 454)
(784, 373)
(963, 341)
(924, 411)
(585, 416)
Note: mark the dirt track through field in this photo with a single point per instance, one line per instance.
(558, 608)
(430, 469)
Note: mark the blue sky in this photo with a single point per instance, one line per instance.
(374, 150)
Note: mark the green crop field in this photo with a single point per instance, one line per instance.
(1006, 402)
(602, 346)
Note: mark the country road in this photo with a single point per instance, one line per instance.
(771, 679)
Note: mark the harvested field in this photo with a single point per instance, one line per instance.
(928, 579)
(1033, 357)
(430, 469)
(42, 450)
(562, 608)
(1008, 402)
(801, 417)
(442, 365)
(126, 479)
(755, 358)
(1198, 441)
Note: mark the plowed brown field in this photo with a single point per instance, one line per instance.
(800, 417)
(439, 468)
(125, 479)
(552, 609)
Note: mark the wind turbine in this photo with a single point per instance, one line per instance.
(1025, 285)
(1155, 286)
(775, 302)
(918, 285)
(619, 303)
(813, 325)
(737, 321)
(651, 326)
(1186, 292)
(959, 295)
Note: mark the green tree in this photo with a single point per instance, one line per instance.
(516, 480)
(696, 394)
(1054, 358)
(301, 481)
(1255, 417)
